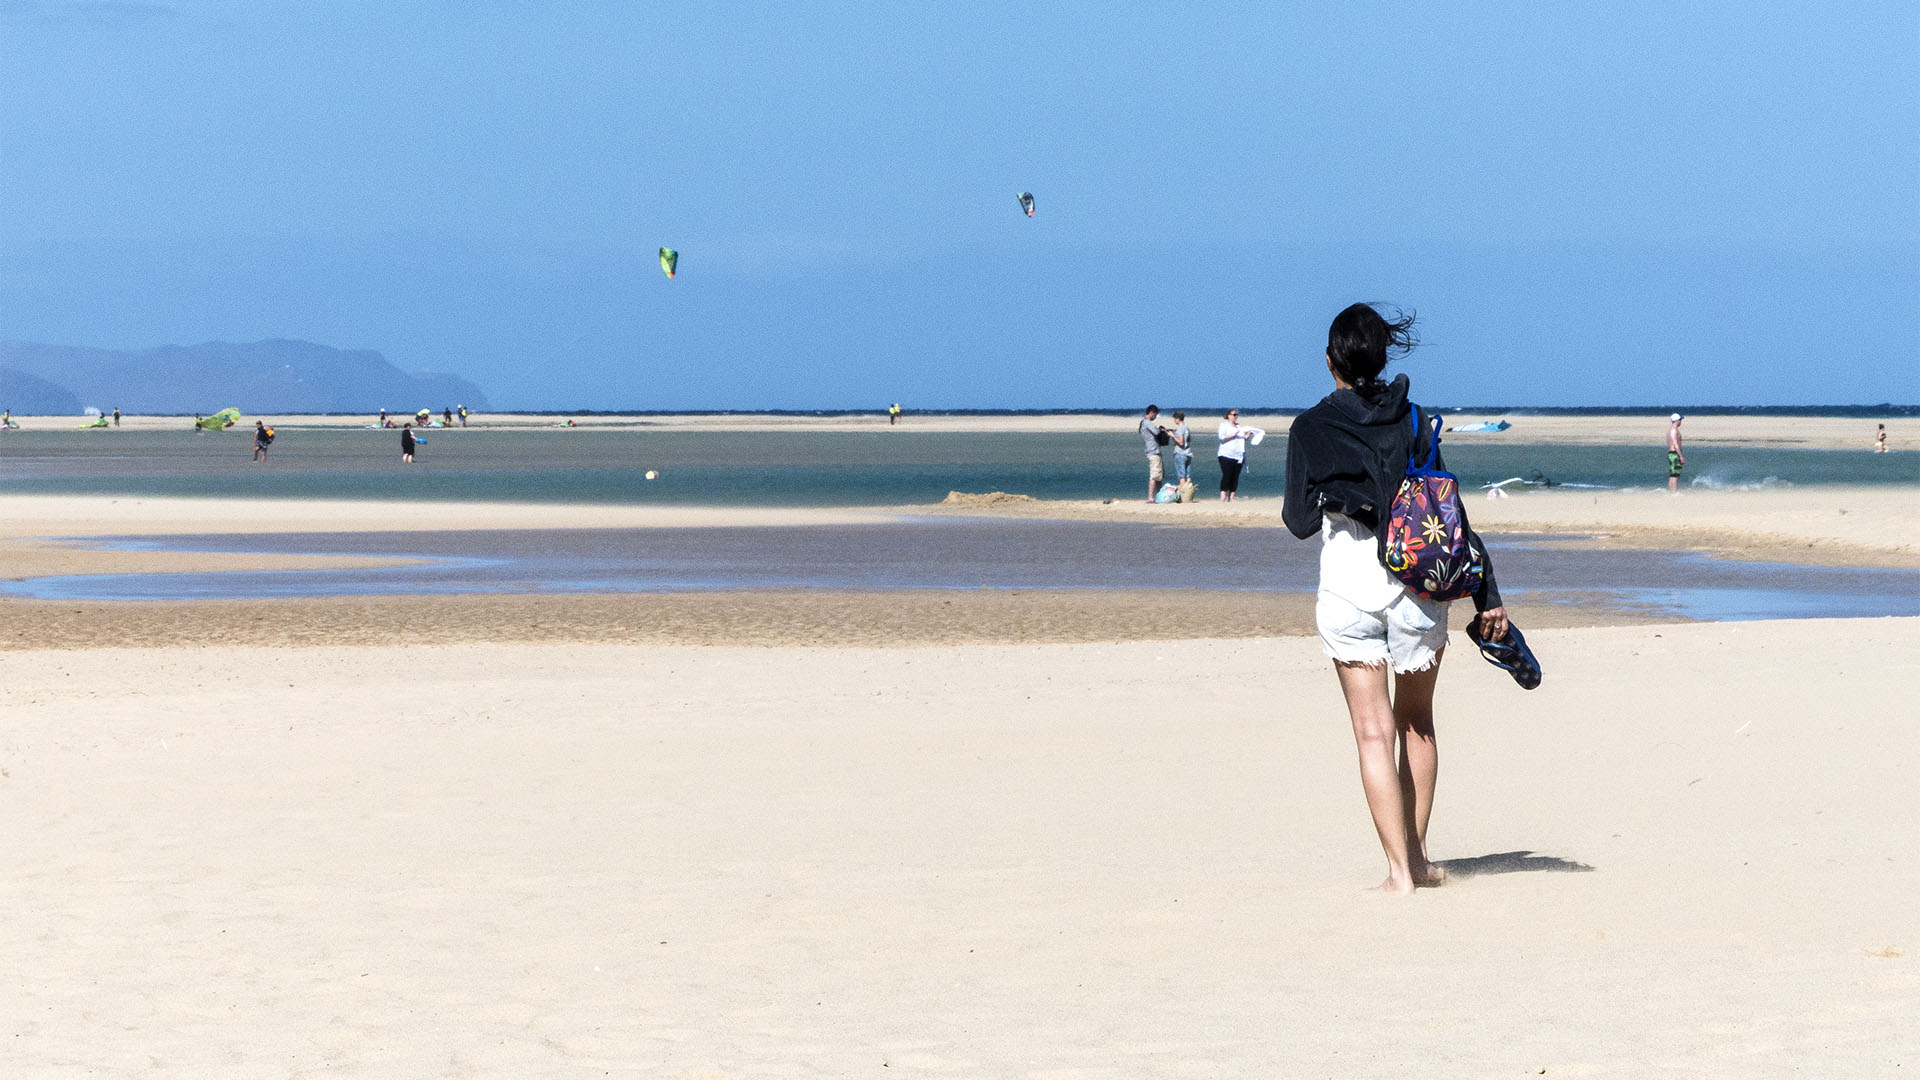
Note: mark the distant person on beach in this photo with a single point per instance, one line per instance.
(1154, 436)
(1346, 457)
(1182, 437)
(893, 414)
(1233, 453)
(261, 437)
(116, 416)
(461, 412)
(384, 422)
(406, 443)
(6, 421)
(446, 417)
(1880, 439)
(1676, 457)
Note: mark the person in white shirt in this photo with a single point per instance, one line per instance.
(1233, 453)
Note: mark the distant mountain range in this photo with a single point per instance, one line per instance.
(263, 377)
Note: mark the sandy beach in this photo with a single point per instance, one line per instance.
(684, 729)
(1688, 854)
(1022, 833)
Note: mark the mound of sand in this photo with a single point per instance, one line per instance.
(990, 498)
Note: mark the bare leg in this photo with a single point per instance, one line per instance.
(1374, 731)
(1419, 764)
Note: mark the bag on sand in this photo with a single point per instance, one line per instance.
(1187, 490)
(1429, 546)
(1167, 493)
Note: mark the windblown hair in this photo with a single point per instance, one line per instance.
(1361, 340)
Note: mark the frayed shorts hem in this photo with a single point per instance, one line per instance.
(1409, 633)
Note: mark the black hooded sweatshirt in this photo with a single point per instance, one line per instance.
(1348, 454)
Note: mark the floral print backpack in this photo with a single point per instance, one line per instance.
(1429, 546)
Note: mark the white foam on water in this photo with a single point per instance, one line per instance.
(1719, 482)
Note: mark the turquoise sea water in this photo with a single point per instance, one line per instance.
(881, 467)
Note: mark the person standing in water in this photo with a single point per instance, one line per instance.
(1676, 457)
(1346, 457)
(1880, 439)
(406, 443)
(261, 437)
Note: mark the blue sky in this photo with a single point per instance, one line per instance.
(1586, 203)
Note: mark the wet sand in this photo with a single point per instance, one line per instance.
(1843, 526)
(1833, 526)
(1804, 524)
(820, 619)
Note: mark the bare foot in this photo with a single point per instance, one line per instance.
(1429, 876)
(1394, 885)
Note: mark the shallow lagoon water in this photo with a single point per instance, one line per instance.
(880, 467)
(961, 553)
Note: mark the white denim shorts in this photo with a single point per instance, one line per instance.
(1409, 632)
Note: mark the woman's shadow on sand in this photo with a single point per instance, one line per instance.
(1512, 862)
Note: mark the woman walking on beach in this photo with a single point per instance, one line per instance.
(1345, 459)
(406, 443)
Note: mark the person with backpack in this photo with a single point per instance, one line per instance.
(262, 438)
(1347, 458)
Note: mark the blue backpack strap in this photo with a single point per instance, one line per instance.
(1433, 446)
